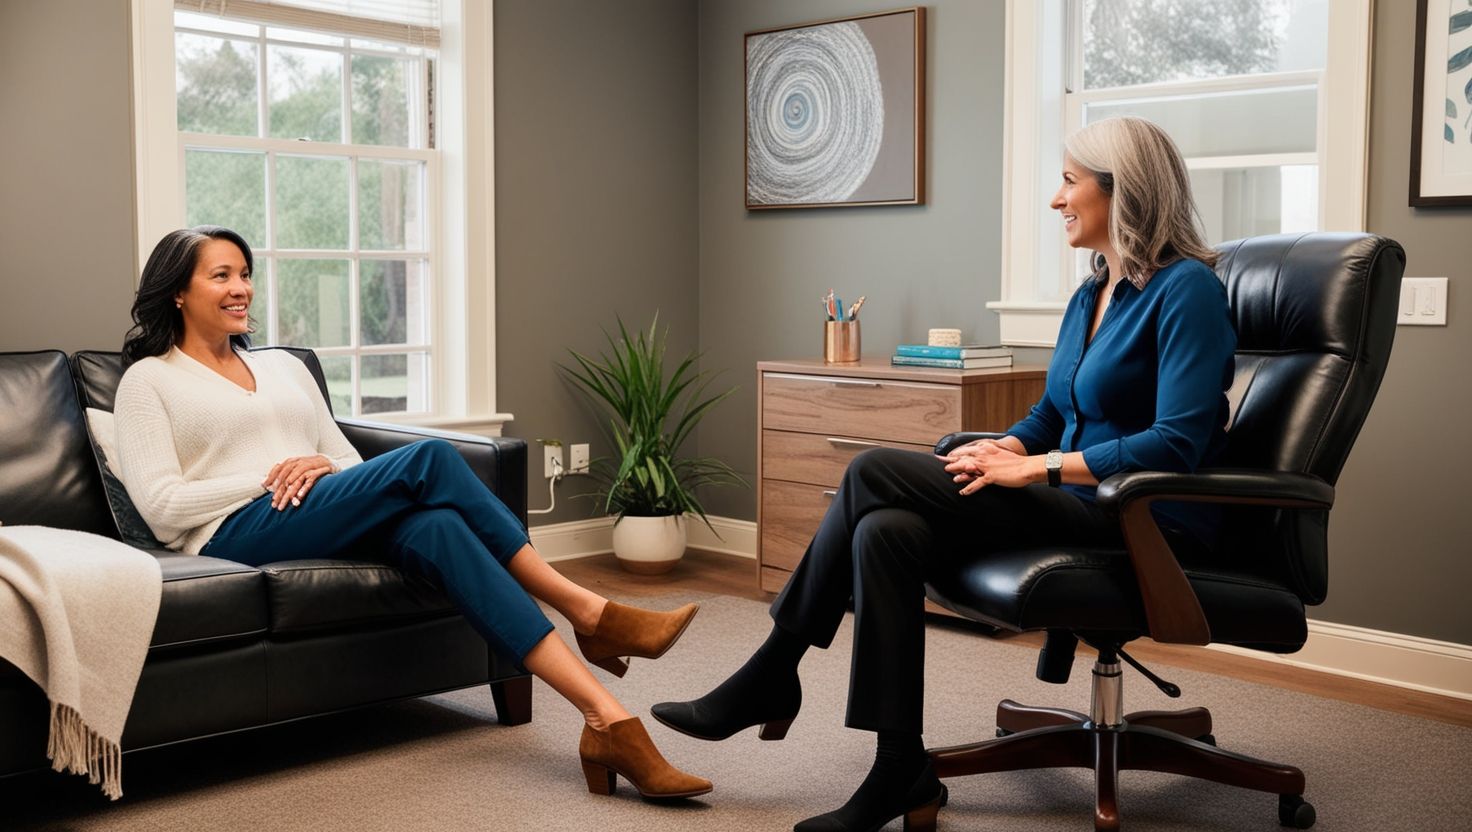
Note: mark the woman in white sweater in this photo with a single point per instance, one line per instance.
(235, 455)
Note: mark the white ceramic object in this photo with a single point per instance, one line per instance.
(649, 545)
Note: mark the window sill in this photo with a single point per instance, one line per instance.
(1029, 324)
(486, 424)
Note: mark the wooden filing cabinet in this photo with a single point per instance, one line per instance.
(813, 418)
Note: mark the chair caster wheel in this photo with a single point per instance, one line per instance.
(1003, 732)
(1295, 812)
(1209, 739)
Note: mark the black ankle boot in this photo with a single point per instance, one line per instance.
(764, 692)
(878, 801)
(730, 709)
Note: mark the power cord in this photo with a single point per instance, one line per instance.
(551, 487)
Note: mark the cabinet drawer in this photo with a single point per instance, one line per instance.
(890, 410)
(817, 458)
(790, 515)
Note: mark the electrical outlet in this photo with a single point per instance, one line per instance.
(551, 458)
(578, 459)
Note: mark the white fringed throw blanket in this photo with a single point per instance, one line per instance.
(76, 616)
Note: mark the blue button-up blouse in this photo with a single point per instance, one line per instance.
(1147, 393)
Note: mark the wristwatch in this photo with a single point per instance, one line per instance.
(1053, 463)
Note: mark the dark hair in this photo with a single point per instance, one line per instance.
(157, 321)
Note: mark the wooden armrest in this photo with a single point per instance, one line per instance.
(1171, 606)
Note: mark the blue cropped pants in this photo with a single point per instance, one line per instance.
(419, 508)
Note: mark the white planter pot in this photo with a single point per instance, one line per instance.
(649, 545)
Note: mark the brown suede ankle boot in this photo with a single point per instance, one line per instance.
(626, 749)
(630, 631)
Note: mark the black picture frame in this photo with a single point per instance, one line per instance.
(1425, 163)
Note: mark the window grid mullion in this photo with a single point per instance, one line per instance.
(263, 108)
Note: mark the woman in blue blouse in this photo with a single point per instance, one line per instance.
(1137, 382)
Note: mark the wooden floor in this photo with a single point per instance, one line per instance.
(727, 575)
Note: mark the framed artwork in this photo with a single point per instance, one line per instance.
(1441, 122)
(835, 112)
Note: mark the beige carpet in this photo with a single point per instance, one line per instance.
(443, 764)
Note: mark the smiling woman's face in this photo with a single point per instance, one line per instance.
(217, 303)
(1084, 206)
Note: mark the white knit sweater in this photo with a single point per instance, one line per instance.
(194, 446)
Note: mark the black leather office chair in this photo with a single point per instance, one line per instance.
(1315, 317)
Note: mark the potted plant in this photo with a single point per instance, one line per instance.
(651, 414)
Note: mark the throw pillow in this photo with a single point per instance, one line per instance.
(131, 526)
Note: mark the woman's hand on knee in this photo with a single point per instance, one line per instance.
(991, 464)
(290, 479)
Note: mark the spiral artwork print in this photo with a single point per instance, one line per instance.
(831, 112)
(815, 114)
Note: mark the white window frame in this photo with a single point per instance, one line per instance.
(1039, 112)
(461, 210)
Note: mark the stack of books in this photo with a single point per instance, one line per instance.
(972, 357)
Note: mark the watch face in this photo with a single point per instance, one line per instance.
(1054, 459)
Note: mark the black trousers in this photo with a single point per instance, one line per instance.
(896, 520)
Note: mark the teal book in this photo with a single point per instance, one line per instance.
(952, 363)
(972, 351)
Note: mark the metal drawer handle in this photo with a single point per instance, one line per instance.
(843, 382)
(852, 443)
(830, 494)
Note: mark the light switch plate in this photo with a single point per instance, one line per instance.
(1422, 301)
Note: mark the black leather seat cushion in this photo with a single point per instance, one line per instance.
(1094, 590)
(322, 594)
(208, 600)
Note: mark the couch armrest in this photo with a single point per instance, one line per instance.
(1171, 606)
(498, 461)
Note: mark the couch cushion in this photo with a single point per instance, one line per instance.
(47, 474)
(307, 595)
(208, 600)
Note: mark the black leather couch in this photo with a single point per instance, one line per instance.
(236, 646)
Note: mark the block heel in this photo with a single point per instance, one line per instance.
(922, 818)
(614, 665)
(601, 779)
(774, 730)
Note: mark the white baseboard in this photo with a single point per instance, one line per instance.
(584, 538)
(737, 537)
(1423, 664)
(576, 539)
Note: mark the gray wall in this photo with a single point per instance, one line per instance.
(762, 272)
(595, 201)
(66, 164)
(1400, 531)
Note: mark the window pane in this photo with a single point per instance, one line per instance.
(1130, 42)
(381, 110)
(311, 202)
(391, 301)
(312, 308)
(394, 383)
(215, 85)
(1228, 124)
(226, 188)
(306, 93)
(338, 370)
(388, 205)
(1246, 202)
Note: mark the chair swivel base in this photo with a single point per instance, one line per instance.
(1165, 741)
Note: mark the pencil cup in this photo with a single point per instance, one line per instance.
(840, 342)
